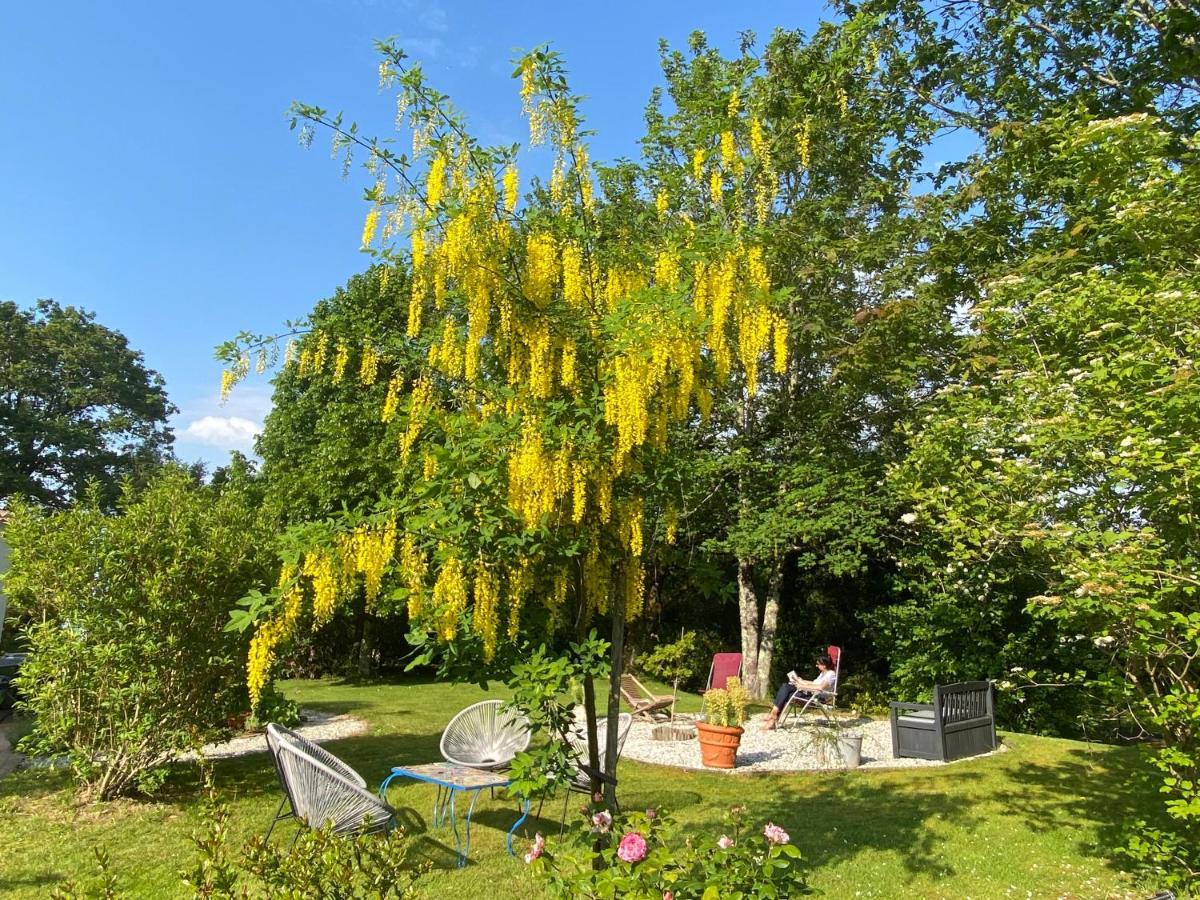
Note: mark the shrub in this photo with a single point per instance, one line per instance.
(726, 706)
(686, 660)
(319, 864)
(130, 662)
(638, 855)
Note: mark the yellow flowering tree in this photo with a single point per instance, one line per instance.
(556, 329)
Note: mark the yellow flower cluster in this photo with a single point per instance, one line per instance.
(368, 368)
(413, 567)
(419, 405)
(321, 352)
(321, 566)
(630, 525)
(273, 632)
(228, 380)
(804, 141)
(435, 180)
(541, 273)
(485, 616)
(567, 373)
(671, 523)
(572, 274)
(520, 582)
(634, 586)
(392, 400)
(537, 479)
(450, 597)
(370, 552)
(446, 356)
(729, 154)
(369, 227)
(512, 188)
(341, 358)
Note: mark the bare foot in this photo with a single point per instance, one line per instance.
(769, 725)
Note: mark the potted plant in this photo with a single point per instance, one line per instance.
(837, 745)
(720, 734)
(849, 747)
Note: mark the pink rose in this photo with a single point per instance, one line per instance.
(632, 848)
(651, 814)
(725, 842)
(539, 844)
(602, 821)
(668, 895)
(775, 834)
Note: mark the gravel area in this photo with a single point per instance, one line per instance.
(316, 726)
(804, 745)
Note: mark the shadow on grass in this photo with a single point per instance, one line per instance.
(1108, 788)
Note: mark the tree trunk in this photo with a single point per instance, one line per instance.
(366, 647)
(766, 638)
(612, 732)
(589, 706)
(758, 627)
(748, 612)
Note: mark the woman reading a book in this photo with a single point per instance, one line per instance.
(825, 681)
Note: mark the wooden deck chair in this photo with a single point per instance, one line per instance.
(825, 700)
(644, 704)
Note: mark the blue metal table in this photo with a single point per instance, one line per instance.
(451, 780)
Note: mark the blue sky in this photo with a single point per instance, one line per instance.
(147, 172)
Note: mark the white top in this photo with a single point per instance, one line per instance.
(826, 681)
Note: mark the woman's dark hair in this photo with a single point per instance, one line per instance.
(825, 660)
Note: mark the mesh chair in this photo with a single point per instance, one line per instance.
(580, 783)
(321, 790)
(823, 700)
(485, 736)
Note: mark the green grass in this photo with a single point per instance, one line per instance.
(1041, 820)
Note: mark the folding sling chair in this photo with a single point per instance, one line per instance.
(823, 700)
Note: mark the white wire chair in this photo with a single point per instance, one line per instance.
(580, 783)
(485, 736)
(321, 790)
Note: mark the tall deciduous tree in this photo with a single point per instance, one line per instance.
(76, 405)
(787, 479)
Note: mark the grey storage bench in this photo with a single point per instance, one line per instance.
(959, 722)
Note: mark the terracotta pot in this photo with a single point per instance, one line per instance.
(718, 745)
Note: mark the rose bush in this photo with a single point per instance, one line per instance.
(649, 862)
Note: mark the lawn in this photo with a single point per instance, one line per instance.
(1040, 820)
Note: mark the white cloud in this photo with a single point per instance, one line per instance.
(223, 432)
(207, 429)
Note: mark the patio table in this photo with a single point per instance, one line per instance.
(452, 780)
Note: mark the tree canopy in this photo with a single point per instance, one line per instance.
(76, 405)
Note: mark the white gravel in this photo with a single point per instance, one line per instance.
(316, 726)
(801, 745)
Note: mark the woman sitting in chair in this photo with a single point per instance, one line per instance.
(826, 680)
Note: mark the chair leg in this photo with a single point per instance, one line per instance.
(279, 817)
(562, 825)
